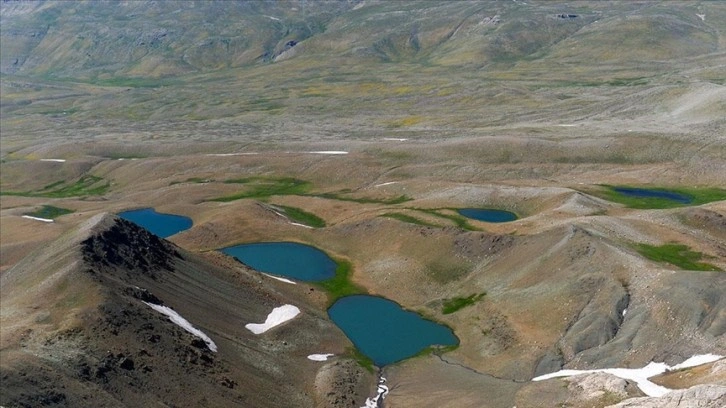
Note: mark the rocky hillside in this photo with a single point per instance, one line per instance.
(78, 330)
(103, 40)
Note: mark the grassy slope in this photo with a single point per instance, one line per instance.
(676, 254)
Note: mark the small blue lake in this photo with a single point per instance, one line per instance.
(162, 225)
(384, 331)
(288, 259)
(488, 215)
(648, 193)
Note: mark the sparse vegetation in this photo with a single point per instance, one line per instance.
(85, 186)
(362, 360)
(675, 254)
(436, 349)
(444, 272)
(458, 220)
(196, 180)
(365, 200)
(409, 219)
(457, 303)
(50, 212)
(262, 188)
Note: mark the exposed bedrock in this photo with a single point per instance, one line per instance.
(675, 316)
(700, 396)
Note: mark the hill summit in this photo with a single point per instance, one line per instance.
(79, 328)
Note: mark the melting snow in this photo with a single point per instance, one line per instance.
(301, 225)
(278, 316)
(329, 152)
(319, 357)
(30, 217)
(279, 278)
(183, 323)
(386, 184)
(640, 375)
(395, 139)
(382, 393)
(231, 154)
(54, 160)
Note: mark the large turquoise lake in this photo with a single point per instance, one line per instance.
(159, 224)
(488, 215)
(384, 331)
(288, 259)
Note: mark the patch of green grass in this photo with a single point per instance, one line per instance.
(676, 254)
(264, 187)
(86, 186)
(698, 196)
(455, 304)
(409, 219)
(51, 185)
(301, 216)
(50, 212)
(340, 285)
(363, 200)
(459, 220)
(362, 359)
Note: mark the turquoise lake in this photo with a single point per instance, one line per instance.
(288, 259)
(488, 215)
(159, 224)
(384, 331)
(648, 193)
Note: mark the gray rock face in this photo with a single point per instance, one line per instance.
(700, 396)
(591, 386)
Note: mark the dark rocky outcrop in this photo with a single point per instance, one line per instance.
(131, 248)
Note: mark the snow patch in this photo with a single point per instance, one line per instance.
(278, 316)
(319, 357)
(279, 278)
(395, 139)
(54, 160)
(568, 125)
(702, 17)
(640, 375)
(231, 154)
(382, 393)
(328, 152)
(30, 217)
(183, 323)
(386, 184)
(301, 225)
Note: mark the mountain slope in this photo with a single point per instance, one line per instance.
(76, 330)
